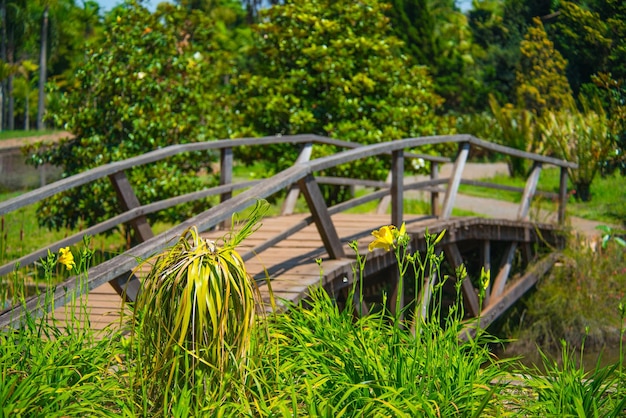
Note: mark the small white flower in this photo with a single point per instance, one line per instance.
(197, 56)
(141, 75)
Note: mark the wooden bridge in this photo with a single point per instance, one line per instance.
(286, 249)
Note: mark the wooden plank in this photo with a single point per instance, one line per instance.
(321, 217)
(485, 258)
(470, 298)
(289, 204)
(455, 180)
(505, 269)
(529, 192)
(397, 191)
(384, 203)
(562, 195)
(434, 195)
(128, 200)
(513, 293)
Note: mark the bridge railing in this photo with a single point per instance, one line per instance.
(117, 271)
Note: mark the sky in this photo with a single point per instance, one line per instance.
(107, 5)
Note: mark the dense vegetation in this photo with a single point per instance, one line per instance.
(546, 77)
(134, 80)
(195, 350)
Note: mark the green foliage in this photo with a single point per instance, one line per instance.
(584, 138)
(517, 129)
(413, 23)
(582, 37)
(332, 68)
(565, 389)
(194, 316)
(582, 292)
(541, 81)
(155, 80)
(58, 369)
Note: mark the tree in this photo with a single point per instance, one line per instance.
(155, 80)
(412, 22)
(580, 35)
(42, 69)
(541, 81)
(332, 68)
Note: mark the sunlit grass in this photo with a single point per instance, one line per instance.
(24, 134)
(608, 202)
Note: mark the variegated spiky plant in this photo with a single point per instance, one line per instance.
(195, 312)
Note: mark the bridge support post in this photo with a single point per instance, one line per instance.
(128, 285)
(321, 216)
(292, 197)
(562, 195)
(434, 195)
(397, 187)
(455, 180)
(226, 177)
(529, 192)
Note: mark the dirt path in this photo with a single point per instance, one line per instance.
(8, 144)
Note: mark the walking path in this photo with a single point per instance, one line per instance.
(494, 208)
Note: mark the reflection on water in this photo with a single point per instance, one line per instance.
(16, 175)
(605, 356)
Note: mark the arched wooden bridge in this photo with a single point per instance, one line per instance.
(286, 248)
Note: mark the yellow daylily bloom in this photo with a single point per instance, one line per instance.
(384, 238)
(66, 258)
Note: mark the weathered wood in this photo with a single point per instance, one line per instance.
(117, 220)
(128, 200)
(384, 203)
(485, 258)
(512, 294)
(562, 195)
(470, 298)
(503, 275)
(434, 195)
(226, 171)
(321, 217)
(397, 191)
(289, 204)
(455, 180)
(529, 192)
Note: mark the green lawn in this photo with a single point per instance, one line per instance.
(608, 203)
(24, 134)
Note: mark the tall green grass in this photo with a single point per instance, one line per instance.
(318, 359)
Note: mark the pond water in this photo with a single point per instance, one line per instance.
(16, 175)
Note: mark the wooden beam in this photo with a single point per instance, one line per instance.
(562, 195)
(512, 295)
(470, 298)
(384, 203)
(485, 257)
(226, 171)
(503, 274)
(529, 192)
(455, 180)
(397, 191)
(128, 200)
(289, 204)
(434, 195)
(321, 217)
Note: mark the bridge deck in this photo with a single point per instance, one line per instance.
(291, 264)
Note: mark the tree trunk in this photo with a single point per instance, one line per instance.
(583, 191)
(42, 70)
(3, 57)
(10, 118)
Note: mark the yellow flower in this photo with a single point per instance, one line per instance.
(384, 238)
(66, 258)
